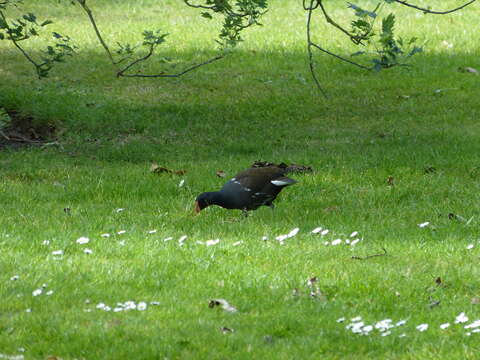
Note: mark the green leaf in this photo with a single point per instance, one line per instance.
(358, 53)
(46, 22)
(388, 23)
(415, 50)
(30, 17)
(206, 15)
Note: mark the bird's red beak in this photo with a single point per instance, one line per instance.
(197, 207)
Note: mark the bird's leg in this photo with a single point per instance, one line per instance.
(245, 212)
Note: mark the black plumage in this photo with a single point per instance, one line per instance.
(248, 190)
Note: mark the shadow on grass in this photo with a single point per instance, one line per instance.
(249, 104)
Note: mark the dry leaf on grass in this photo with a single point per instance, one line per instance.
(221, 173)
(390, 181)
(223, 304)
(157, 169)
(468, 69)
(226, 330)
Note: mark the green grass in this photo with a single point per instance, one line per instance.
(258, 103)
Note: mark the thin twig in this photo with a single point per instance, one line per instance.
(5, 136)
(370, 256)
(309, 45)
(428, 11)
(150, 52)
(187, 2)
(342, 58)
(332, 22)
(121, 72)
(83, 4)
(171, 75)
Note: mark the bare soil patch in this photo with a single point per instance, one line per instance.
(22, 130)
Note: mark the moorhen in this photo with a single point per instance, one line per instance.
(248, 190)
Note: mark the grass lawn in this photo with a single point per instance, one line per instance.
(417, 125)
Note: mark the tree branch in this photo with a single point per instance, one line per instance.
(342, 58)
(85, 7)
(310, 44)
(122, 72)
(428, 11)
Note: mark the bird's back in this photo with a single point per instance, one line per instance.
(255, 187)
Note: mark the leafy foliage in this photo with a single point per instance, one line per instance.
(389, 50)
(238, 15)
(28, 26)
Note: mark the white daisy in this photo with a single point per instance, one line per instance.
(212, 242)
(422, 327)
(281, 237)
(461, 318)
(293, 232)
(83, 240)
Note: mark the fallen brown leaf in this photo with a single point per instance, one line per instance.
(157, 169)
(429, 170)
(223, 304)
(226, 330)
(468, 69)
(475, 300)
(390, 181)
(221, 173)
(312, 281)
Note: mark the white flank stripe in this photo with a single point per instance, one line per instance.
(279, 182)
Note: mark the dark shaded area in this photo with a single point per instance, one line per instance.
(22, 130)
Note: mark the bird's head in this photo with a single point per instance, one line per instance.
(203, 200)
